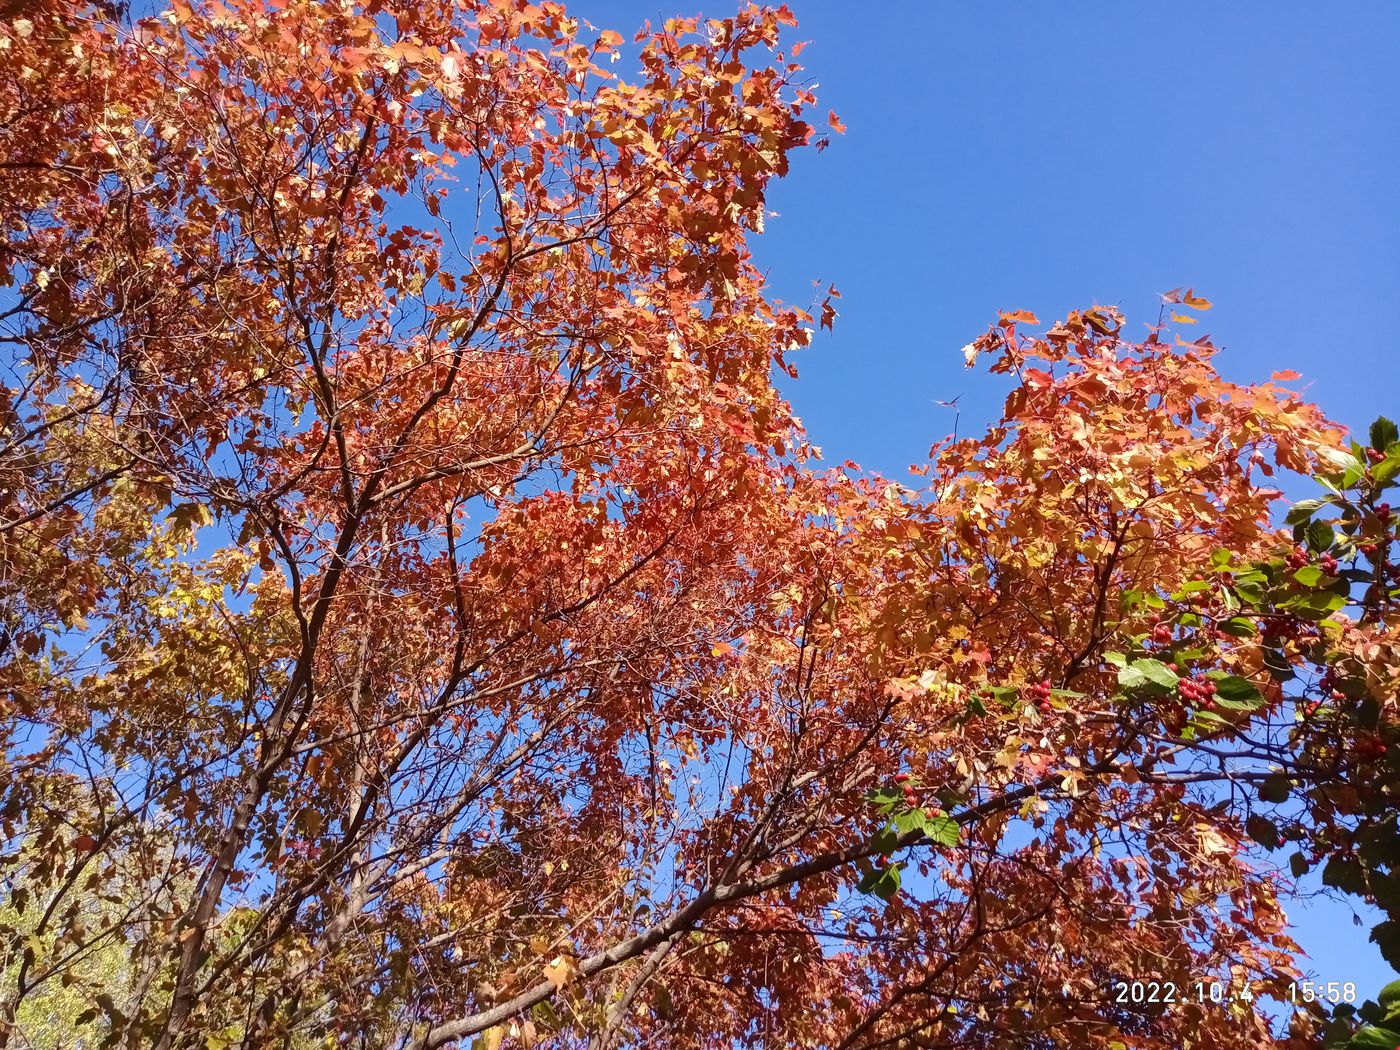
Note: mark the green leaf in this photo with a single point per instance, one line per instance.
(1207, 720)
(1275, 788)
(1239, 626)
(1263, 831)
(884, 797)
(1345, 873)
(1278, 666)
(1320, 536)
(1338, 458)
(1315, 606)
(1116, 659)
(1249, 592)
(1006, 695)
(1384, 433)
(1372, 1038)
(1386, 936)
(943, 831)
(662, 1002)
(1149, 675)
(1234, 691)
(1304, 509)
(545, 1013)
(882, 882)
(886, 839)
(1389, 997)
(909, 820)
(1309, 575)
(1386, 469)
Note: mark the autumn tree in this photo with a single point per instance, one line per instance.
(425, 624)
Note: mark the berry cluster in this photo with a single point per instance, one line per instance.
(1328, 684)
(1200, 691)
(1370, 747)
(1280, 628)
(1040, 692)
(1377, 551)
(911, 795)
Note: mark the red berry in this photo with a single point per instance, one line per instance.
(901, 778)
(1375, 455)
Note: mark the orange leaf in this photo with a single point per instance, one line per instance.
(835, 122)
(559, 971)
(610, 38)
(1287, 375)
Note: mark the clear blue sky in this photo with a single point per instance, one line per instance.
(1052, 155)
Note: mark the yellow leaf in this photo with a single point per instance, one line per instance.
(1182, 318)
(1197, 302)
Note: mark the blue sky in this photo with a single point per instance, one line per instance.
(1050, 156)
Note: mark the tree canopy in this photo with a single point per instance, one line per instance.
(424, 623)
